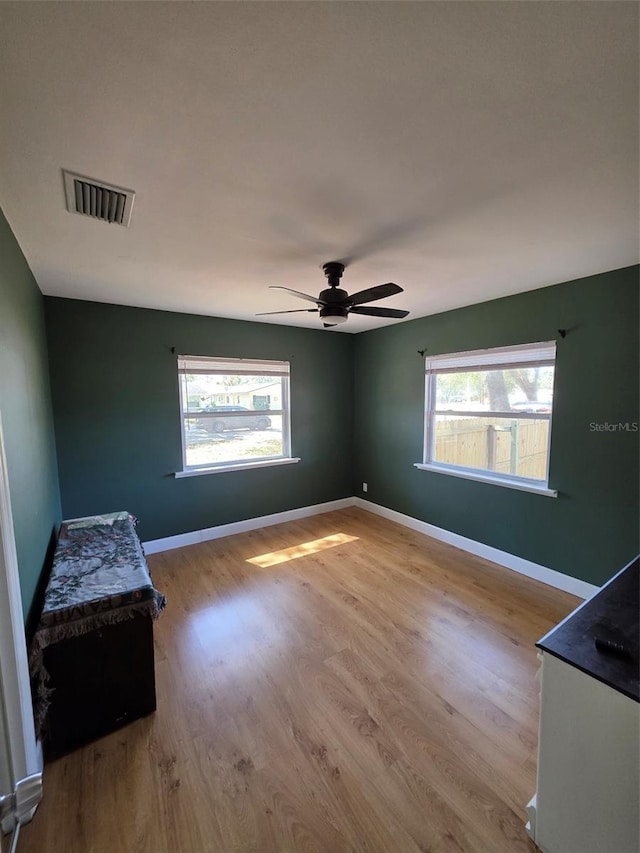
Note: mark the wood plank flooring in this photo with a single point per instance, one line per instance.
(372, 693)
(5, 843)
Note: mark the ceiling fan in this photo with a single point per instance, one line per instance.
(335, 305)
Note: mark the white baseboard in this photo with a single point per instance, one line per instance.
(24, 801)
(182, 539)
(28, 796)
(582, 589)
(532, 808)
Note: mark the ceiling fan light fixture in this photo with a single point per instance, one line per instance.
(334, 314)
(335, 304)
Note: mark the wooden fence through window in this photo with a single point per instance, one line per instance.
(496, 444)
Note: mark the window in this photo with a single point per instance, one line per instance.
(488, 415)
(234, 413)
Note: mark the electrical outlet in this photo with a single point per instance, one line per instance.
(365, 487)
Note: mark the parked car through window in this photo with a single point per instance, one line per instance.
(221, 418)
(234, 412)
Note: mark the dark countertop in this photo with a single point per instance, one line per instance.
(612, 616)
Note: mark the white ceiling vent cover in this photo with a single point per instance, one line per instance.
(105, 202)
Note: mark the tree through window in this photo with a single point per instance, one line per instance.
(490, 411)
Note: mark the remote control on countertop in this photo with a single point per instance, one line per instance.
(613, 647)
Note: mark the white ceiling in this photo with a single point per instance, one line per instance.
(463, 150)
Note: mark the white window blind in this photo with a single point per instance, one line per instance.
(518, 356)
(231, 366)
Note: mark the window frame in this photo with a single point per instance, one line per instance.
(222, 365)
(497, 358)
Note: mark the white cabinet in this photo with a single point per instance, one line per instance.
(588, 795)
(588, 792)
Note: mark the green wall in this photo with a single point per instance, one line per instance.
(591, 529)
(25, 408)
(357, 415)
(115, 398)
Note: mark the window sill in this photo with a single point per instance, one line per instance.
(492, 479)
(240, 466)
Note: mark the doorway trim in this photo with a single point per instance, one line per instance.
(24, 754)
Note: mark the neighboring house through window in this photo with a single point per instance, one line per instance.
(234, 413)
(488, 415)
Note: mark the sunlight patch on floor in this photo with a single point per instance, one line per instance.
(264, 561)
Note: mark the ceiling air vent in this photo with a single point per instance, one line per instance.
(97, 199)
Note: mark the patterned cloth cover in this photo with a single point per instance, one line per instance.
(99, 577)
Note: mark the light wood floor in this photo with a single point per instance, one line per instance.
(5, 843)
(375, 695)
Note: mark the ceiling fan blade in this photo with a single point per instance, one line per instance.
(378, 312)
(297, 293)
(291, 311)
(373, 293)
